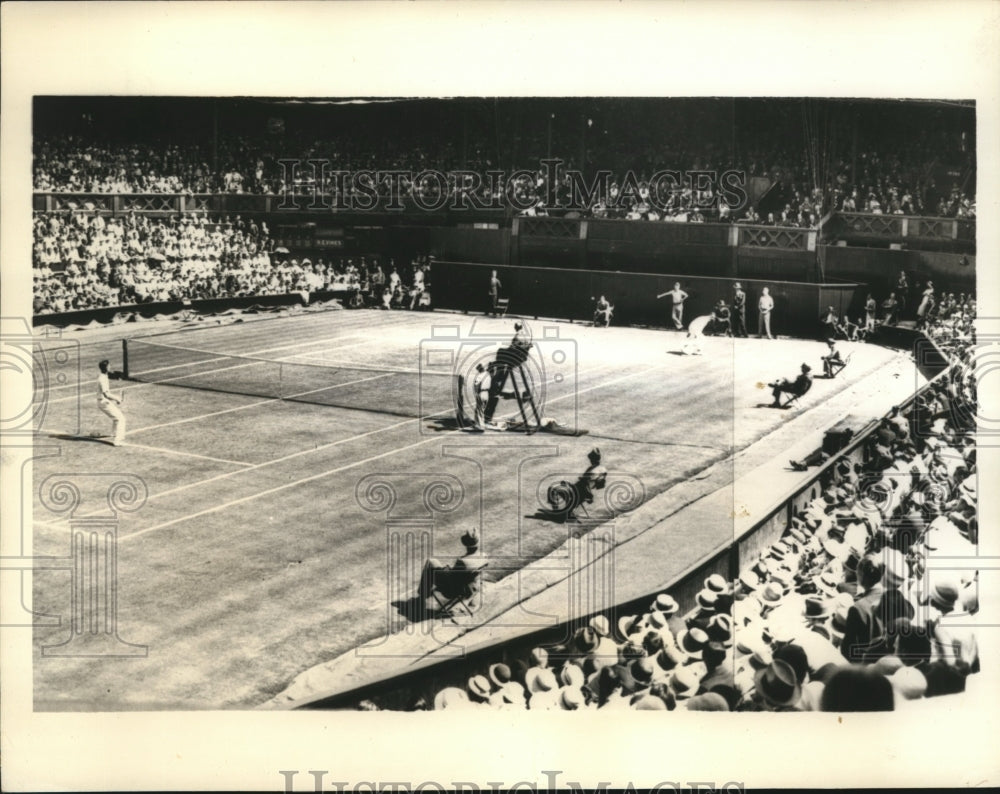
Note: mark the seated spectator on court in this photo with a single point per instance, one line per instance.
(847, 329)
(832, 362)
(797, 387)
(594, 478)
(434, 570)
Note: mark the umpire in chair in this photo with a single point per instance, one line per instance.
(508, 358)
(796, 388)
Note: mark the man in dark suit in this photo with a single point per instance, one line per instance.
(798, 387)
(739, 311)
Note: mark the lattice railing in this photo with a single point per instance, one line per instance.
(878, 225)
(932, 228)
(564, 228)
(775, 237)
(154, 202)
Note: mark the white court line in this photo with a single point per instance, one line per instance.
(259, 494)
(242, 463)
(351, 365)
(336, 470)
(251, 467)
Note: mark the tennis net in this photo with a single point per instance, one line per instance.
(410, 393)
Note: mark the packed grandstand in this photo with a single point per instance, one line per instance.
(844, 612)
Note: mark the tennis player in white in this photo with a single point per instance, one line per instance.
(108, 403)
(696, 330)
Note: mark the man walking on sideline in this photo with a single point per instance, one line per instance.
(677, 297)
(108, 403)
(739, 311)
(764, 308)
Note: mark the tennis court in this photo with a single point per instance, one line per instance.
(254, 558)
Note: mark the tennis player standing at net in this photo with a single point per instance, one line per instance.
(108, 403)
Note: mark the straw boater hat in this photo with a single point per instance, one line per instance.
(691, 642)
(666, 604)
(544, 690)
(500, 674)
(628, 625)
(600, 625)
(717, 583)
(479, 687)
(684, 682)
(571, 675)
(539, 679)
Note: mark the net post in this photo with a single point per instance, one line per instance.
(125, 359)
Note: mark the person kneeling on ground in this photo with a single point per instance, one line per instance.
(603, 312)
(796, 387)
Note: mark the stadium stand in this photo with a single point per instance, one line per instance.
(841, 614)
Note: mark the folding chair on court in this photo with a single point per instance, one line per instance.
(455, 589)
(788, 399)
(837, 367)
(502, 304)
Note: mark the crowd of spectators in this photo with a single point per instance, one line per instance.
(872, 181)
(845, 612)
(88, 261)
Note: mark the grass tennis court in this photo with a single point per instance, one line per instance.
(252, 559)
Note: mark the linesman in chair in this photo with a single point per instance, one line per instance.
(797, 387)
(832, 362)
(565, 497)
(471, 562)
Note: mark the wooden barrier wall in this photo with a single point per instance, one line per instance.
(554, 292)
(880, 267)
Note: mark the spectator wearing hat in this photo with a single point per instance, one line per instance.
(832, 362)
(607, 650)
(739, 311)
(797, 387)
(864, 630)
(776, 687)
(543, 689)
(471, 561)
(479, 690)
(508, 693)
(720, 663)
(667, 605)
